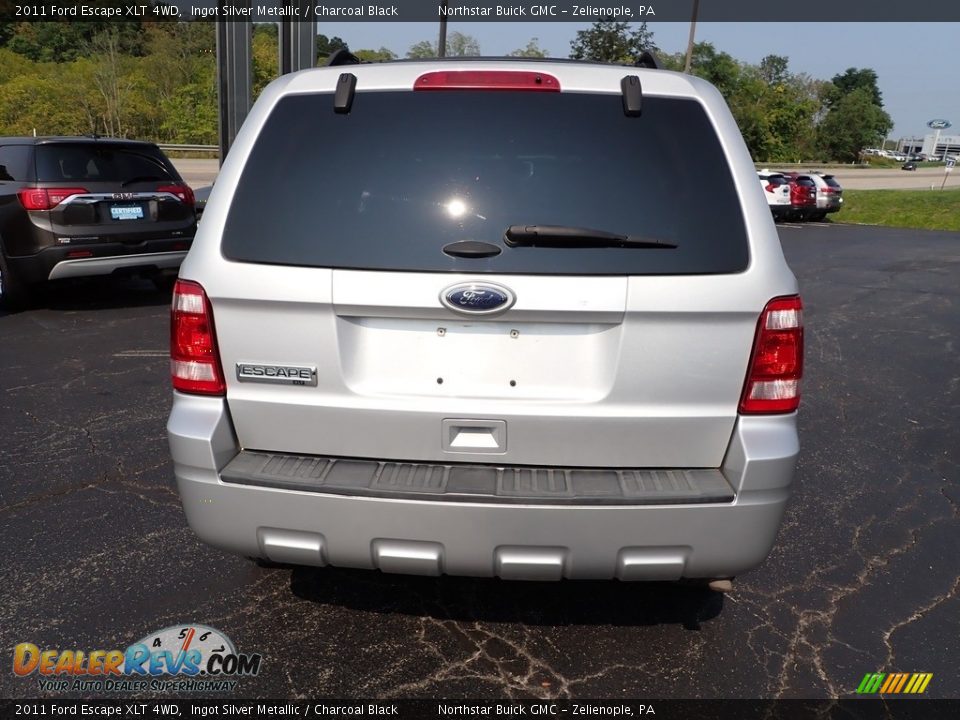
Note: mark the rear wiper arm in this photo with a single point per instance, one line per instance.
(564, 236)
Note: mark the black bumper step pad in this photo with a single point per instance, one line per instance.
(514, 484)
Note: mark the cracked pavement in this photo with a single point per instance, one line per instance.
(864, 576)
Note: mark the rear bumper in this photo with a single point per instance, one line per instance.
(55, 264)
(87, 267)
(512, 541)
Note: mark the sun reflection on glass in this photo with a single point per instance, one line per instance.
(456, 208)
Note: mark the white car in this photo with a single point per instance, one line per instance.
(829, 195)
(776, 189)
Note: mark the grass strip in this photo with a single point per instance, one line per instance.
(921, 209)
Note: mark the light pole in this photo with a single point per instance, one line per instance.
(693, 29)
(442, 41)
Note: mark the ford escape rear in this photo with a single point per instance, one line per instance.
(479, 318)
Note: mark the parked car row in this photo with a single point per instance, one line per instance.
(797, 196)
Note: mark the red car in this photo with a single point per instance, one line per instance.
(803, 197)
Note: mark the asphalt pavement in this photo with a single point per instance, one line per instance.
(864, 576)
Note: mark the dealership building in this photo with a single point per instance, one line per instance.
(931, 144)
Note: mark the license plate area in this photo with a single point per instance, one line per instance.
(488, 359)
(126, 211)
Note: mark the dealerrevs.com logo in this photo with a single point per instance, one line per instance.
(180, 658)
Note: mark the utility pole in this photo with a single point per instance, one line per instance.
(442, 41)
(693, 30)
(234, 76)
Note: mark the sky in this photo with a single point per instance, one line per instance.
(918, 64)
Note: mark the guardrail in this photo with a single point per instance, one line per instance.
(189, 148)
(809, 165)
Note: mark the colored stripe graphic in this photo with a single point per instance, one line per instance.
(922, 680)
(894, 683)
(870, 683)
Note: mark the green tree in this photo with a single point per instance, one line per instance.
(327, 46)
(422, 49)
(112, 81)
(266, 56)
(532, 50)
(6, 32)
(52, 99)
(612, 42)
(854, 122)
(856, 78)
(381, 55)
(718, 68)
(66, 41)
(458, 45)
(773, 69)
(854, 117)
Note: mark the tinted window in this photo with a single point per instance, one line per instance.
(89, 162)
(829, 180)
(405, 173)
(14, 163)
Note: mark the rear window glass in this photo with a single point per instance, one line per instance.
(14, 163)
(831, 181)
(388, 185)
(89, 162)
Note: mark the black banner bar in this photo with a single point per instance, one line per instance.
(586, 11)
(130, 709)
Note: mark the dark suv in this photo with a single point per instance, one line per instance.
(82, 206)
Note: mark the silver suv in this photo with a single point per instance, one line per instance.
(479, 318)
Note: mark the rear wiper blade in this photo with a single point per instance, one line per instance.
(564, 236)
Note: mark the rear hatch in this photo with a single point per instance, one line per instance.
(803, 192)
(336, 303)
(108, 191)
(833, 191)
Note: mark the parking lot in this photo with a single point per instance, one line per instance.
(864, 576)
(199, 172)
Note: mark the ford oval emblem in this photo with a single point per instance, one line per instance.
(477, 298)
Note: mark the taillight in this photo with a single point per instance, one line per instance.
(194, 361)
(487, 80)
(181, 190)
(770, 188)
(46, 198)
(776, 365)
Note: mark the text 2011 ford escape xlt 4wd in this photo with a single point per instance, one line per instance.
(479, 318)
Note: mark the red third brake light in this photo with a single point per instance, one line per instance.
(194, 360)
(776, 365)
(181, 190)
(487, 80)
(46, 198)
